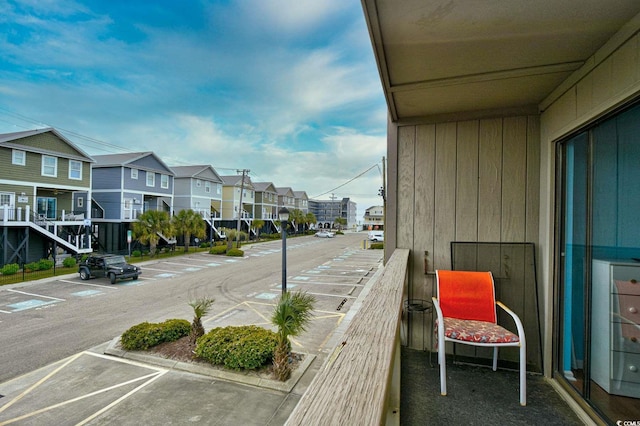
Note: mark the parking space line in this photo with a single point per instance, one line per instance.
(175, 263)
(90, 285)
(330, 283)
(159, 270)
(333, 295)
(148, 378)
(37, 295)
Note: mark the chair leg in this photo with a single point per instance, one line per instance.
(523, 374)
(443, 368)
(495, 358)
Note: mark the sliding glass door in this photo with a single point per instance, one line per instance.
(599, 265)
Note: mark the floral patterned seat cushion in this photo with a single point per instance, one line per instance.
(477, 331)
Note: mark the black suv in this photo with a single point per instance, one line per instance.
(112, 266)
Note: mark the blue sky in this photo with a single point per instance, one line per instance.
(286, 88)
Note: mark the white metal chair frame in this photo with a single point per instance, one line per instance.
(521, 343)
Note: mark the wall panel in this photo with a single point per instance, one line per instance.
(445, 194)
(406, 173)
(514, 179)
(489, 179)
(467, 182)
(424, 208)
(474, 180)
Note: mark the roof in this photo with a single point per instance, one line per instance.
(284, 190)
(196, 171)
(300, 194)
(233, 180)
(130, 158)
(442, 57)
(262, 186)
(7, 138)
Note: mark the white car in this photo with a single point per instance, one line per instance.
(376, 236)
(324, 234)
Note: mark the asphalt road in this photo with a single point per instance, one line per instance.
(46, 321)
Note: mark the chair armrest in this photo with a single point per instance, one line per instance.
(516, 319)
(436, 305)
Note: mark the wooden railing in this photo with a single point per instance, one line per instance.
(359, 383)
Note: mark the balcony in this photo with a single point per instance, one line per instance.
(370, 378)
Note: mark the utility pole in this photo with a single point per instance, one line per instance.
(244, 172)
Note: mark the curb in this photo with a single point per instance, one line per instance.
(114, 349)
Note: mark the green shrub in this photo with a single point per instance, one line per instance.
(145, 335)
(31, 267)
(244, 347)
(45, 264)
(218, 250)
(376, 246)
(205, 245)
(10, 269)
(136, 253)
(235, 252)
(69, 262)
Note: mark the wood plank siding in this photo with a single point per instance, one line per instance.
(473, 180)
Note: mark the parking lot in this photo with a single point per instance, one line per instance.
(334, 278)
(96, 387)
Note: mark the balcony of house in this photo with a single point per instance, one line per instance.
(373, 377)
(68, 228)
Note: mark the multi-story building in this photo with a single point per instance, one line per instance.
(124, 186)
(45, 185)
(238, 198)
(266, 206)
(327, 211)
(302, 201)
(199, 188)
(373, 218)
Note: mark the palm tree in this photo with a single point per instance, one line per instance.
(291, 315)
(340, 221)
(149, 226)
(188, 223)
(231, 235)
(257, 224)
(296, 217)
(311, 219)
(200, 308)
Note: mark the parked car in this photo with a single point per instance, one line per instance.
(111, 266)
(324, 234)
(376, 236)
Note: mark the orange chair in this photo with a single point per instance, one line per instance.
(466, 308)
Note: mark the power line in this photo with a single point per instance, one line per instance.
(347, 182)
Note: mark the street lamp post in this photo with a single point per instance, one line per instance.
(283, 215)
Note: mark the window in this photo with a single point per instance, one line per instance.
(75, 170)
(151, 179)
(80, 202)
(6, 199)
(207, 187)
(18, 157)
(164, 181)
(134, 173)
(198, 183)
(49, 166)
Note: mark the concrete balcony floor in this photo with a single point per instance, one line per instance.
(475, 396)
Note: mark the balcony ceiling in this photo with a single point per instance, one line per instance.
(438, 57)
